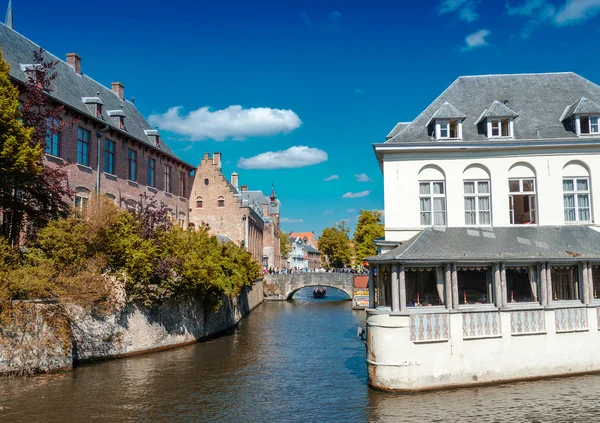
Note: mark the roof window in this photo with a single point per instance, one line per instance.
(448, 122)
(498, 120)
(589, 125)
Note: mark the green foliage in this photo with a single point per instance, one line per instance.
(368, 229)
(335, 244)
(285, 244)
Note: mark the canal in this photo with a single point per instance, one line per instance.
(294, 361)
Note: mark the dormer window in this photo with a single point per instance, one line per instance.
(447, 122)
(589, 125)
(118, 117)
(94, 105)
(98, 111)
(153, 136)
(499, 128)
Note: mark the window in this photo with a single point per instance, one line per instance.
(182, 220)
(449, 129)
(576, 195)
(432, 198)
(521, 284)
(53, 139)
(198, 203)
(499, 128)
(522, 201)
(83, 146)
(121, 122)
(99, 110)
(206, 182)
(82, 196)
(167, 178)
(477, 203)
(109, 156)
(220, 202)
(589, 124)
(151, 172)
(565, 283)
(424, 286)
(474, 285)
(595, 281)
(182, 184)
(131, 167)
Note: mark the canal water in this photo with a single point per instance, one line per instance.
(294, 361)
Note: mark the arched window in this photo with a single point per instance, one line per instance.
(477, 191)
(432, 196)
(221, 202)
(82, 197)
(198, 202)
(576, 193)
(522, 194)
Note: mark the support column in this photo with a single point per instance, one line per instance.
(549, 283)
(378, 287)
(448, 283)
(543, 284)
(455, 302)
(503, 279)
(585, 283)
(395, 293)
(402, 288)
(497, 286)
(371, 287)
(591, 283)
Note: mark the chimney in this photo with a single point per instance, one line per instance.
(234, 179)
(244, 188)
(217, 160)
(119, 88)
(74, 60)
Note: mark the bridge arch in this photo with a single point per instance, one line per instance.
(283, 287)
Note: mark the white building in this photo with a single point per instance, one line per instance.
(490, 203)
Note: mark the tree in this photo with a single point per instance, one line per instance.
(20, 157)
(368, 229)
(335, 244)
(284, 244)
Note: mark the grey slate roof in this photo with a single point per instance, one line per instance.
(539, 100)
(583, 106)
(397, 129)
(498, 109)
(516, 244)
(447, 111)
(70, 88)
(310, 249)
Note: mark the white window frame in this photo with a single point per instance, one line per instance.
(431, 196)
(532, 204)
(442, 125)
(499, 120)
(590, 127)
(478, 195)
(576, 194)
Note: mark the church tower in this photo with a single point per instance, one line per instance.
(9, 16)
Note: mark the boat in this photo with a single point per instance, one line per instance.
(319, 292)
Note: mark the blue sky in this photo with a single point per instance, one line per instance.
(317, 83)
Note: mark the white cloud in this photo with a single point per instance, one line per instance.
(356, 194)
(306, 19)
(331, 178)
(351, 210)
(328, 212)
(527, 8)
(293, 157)
(362, 177)
(335, 15)
(288, 220)
(575, 11)
(358, 91)
(476, 39)
(233, 122)
(464, 8)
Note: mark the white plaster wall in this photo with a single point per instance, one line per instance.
(397, 363)
(401, 188)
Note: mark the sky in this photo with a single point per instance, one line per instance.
(295, 93)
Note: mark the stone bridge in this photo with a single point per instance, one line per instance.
(283, 287)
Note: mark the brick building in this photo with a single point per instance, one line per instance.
(108, 146)
(246, 217)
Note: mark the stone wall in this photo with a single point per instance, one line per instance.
(282, 287)
(132, 330)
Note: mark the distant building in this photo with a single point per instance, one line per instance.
(303, 256)
(307, 238)
(248, 218)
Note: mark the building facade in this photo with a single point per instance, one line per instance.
(490, 236)
(248, 218)
(107, 147)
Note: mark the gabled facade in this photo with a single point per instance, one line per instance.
(491, 235)
(108, 147)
